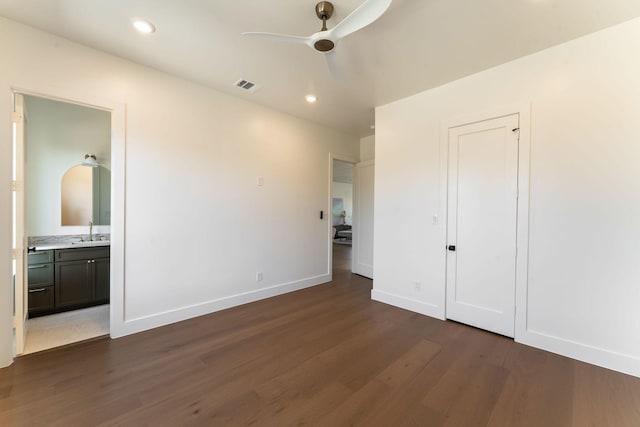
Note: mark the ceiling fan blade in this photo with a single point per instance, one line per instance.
(280, 38)
(364, 15)
(335, 67)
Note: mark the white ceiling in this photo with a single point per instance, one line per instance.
(414, 46)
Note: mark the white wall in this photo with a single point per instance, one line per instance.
(58, 136)
(198, 228)
(367, 148)
(583, 296)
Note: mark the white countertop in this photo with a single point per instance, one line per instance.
(43, 243)
(70, 245)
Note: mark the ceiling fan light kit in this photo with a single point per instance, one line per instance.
(325, 40)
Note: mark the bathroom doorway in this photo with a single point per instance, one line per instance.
(63, 163)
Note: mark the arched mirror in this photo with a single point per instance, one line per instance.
(86, 196)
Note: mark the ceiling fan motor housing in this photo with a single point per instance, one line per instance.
(324, 10)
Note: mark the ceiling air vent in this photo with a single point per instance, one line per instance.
(247, 85)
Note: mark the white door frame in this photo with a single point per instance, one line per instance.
(328, 213)
(20, 294)
(117, 228)
(522, 221)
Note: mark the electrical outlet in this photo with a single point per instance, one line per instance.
(260, 181)
(259, 276)
(434, 220)
(417, 286)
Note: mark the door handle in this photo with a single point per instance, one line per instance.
(32, 291)
(32, 267)
(452, 248)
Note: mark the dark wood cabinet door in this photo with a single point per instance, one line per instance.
(102, 279)
(74, 284)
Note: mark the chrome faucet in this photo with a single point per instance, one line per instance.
(90, 231)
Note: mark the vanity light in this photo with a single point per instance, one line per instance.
(90, 161)
(311, 98)
(143, 26)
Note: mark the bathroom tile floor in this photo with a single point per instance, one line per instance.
(65, 328)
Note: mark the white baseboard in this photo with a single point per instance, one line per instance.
(131, 326)
(421, 307)
(585, 353)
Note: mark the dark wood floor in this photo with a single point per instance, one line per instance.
(326, 356)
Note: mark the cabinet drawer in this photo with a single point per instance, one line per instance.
(40, 257)
(40, 275)
(41, 298)
(80, 254)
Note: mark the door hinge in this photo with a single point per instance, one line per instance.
(14, 254)
(16, 117)
(14, 185)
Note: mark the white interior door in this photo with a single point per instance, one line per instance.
(19, 236)
(481, 224)
(363, 219)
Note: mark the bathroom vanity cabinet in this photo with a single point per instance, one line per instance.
(64, 279)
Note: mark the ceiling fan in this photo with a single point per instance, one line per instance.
(325, 41)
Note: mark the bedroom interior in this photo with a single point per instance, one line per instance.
(246, 287)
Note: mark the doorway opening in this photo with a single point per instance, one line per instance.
(62, 222)
(342, 204)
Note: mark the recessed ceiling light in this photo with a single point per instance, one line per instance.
(143, 26)
(311, 98)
